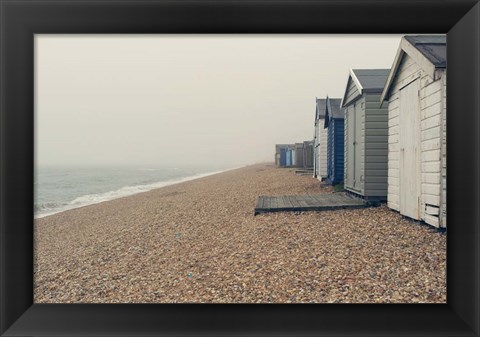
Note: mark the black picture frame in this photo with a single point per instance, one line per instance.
(21, 19)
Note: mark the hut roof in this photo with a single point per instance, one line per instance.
(433, 47)
(428, 51)
(366, 81)
(333, 110)
(320, 108)
(370, 79)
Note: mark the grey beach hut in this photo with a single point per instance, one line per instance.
(366, 134)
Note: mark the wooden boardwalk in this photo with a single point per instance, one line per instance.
(300, 203)
(304, 172)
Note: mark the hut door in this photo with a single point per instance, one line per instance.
(409, 157)
(358, 146)
(350, 147)
(283, 157)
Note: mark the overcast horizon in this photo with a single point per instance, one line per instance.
(163, 100)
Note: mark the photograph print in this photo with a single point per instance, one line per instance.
(240, 169)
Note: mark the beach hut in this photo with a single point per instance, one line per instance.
(335, 137)
(277, 155)
(417, 154)
(292, 149)
(291, 155)
(281, 155)
(299, 154)
(308, 154)
(366, 134)
(320, 141)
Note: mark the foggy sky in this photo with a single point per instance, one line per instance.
(157, 100)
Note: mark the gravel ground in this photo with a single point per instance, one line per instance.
(198, 241)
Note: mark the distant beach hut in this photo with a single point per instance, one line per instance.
(294, 159)
(277, 159)
(320, 141)
(366, 134)
(417, 154)
(299, 154)
(289, 157)
(308, 154)
(281, 155)
(335, 137)
(277, 155)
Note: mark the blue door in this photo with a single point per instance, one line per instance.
(283, 157)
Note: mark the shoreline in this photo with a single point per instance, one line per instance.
(154, 186)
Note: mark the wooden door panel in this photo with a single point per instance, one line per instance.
(350, 147)
(410, 146)
(358, 146)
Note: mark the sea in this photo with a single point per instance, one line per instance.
(58, 189)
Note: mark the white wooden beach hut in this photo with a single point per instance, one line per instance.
(417, 157)
(366, 134)
(320, 141)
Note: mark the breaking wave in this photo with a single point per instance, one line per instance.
(50, 208)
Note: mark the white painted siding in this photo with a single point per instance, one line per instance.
(443, 208)
(352, 92)
(321, 149)
(347, 170)
(432, 137)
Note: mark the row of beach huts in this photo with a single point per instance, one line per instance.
(385, 139)
(295, 155)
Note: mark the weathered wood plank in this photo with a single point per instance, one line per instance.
(311, 201)
(286, 201)
(302, 201)
(319, 199)
(273, 202)
(267, 202)
(260, 202)
(294, 201)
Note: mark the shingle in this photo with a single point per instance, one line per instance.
(428, 39)
(372, 79)
(433, 47)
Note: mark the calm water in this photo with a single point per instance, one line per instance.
(59, 188)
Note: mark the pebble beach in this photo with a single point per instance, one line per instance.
(199, 242)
